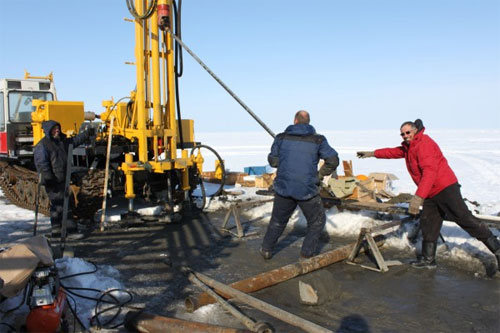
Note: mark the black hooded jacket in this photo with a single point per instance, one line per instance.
(50, 154)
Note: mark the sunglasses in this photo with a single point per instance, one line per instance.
(407, 133)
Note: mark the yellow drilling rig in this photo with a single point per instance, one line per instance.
(151, 150)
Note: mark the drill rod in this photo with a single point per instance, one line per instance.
(247, 109)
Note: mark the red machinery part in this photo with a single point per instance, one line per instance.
(47, 318)
(163, 15)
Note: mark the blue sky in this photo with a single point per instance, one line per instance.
(358, 64)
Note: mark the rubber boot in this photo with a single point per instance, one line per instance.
(428, 258)
(493, 244)
(266, 254)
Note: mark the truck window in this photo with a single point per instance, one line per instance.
(20, 106)
(2, 114)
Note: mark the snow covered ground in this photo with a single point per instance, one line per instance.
(474, 155)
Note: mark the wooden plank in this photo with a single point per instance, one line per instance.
(376, 253)
(226, 218)
(239, 228)
(348, 168)
(356, 247)
(377, 206)
(385, 226)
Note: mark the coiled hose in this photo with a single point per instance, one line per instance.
(223, 179)
(149, 11)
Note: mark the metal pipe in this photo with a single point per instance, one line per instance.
(169, 43)
(271, 278)
(140, 70)
(249, 323)
(155, 60)
(37, 201)
(106, 173)
(247, 109)
(263, 306)
(146, 323)
(142, 84)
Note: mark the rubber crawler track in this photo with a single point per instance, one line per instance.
(19, 186)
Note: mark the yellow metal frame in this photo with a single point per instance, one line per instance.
(69, 114)
(154, 96)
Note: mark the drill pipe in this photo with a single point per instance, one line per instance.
(278, 275)
(287, 317)
(146, 323)
(258, 327)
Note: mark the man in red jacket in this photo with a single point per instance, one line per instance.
(437, 190)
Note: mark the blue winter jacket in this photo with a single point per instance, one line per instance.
(296, 153)
(50, 154)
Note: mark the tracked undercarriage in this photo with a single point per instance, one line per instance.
(19, 185)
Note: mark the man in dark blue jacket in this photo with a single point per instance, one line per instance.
(296, 153)
(51, 159)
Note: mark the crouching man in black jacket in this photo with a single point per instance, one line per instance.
(51, 155)
(296, 153)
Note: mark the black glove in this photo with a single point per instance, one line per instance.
(48, 179)
(91, 131)
(320, 177)
(365, 154)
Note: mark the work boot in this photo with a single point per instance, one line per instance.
(428, 258)
(266, 254)
(304, 257)
(493, 244)
(70, 224)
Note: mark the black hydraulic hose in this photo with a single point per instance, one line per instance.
(179, 118)
(74, 312)
(203, 194)
(179, 63)
(116, 304)
(223, 180)
(178, 68)
(149, 11)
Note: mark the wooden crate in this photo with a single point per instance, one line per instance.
(364, 191)
(265, 180)
(231, 177)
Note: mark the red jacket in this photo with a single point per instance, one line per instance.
(425, 162)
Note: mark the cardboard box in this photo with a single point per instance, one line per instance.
(245, 180)
(231, 177)
(364, 191)
(342, 187)
(17, 264)
(40, 247)
(383, 181)
(265, 180)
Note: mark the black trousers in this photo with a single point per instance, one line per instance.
(283, 208)
(55, 192)
(449, 204)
